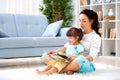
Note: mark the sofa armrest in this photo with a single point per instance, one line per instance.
(63, 31)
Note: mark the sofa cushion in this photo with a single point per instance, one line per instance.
(16, 42)
(63, 31)
(31, 42)
(3, 34)
(50, 41)
(52, 29)
(30, 25)
(7, 24)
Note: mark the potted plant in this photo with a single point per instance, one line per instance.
(58, 10)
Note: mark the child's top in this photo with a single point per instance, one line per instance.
(73, 49)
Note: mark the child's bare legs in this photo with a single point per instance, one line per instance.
(50, 71)
(46, 59)
(46, 69)
(56, 68)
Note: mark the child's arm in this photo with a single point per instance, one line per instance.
(81, 53)
(72, 57)
(61, 50)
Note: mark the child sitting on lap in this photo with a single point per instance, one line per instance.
(72, 49)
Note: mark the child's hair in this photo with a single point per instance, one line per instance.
(75, 32)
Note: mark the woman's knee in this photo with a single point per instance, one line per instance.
(73, 66)
(76, 65)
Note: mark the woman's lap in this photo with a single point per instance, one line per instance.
(84, 65)
(80, 64)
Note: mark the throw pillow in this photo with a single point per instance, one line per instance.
(52, 29)
(63, 31)
(3, 34)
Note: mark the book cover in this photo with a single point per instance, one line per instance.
(100, 31)
(83, 2)
(106, 33)
(99, 13)
(112, 32)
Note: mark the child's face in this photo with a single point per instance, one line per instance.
(72, 40)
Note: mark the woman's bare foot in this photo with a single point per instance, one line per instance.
(69, 72)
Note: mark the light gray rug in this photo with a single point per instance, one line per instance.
(103, 72)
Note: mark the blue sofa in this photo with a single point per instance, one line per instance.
(22, 36)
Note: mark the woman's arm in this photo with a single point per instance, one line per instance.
(95, 47)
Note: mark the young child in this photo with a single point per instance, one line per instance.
(72, 49)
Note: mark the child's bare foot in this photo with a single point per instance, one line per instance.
(69, 72)
(38, 71)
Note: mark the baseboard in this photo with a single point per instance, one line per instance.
(110, 60)
(20, 62)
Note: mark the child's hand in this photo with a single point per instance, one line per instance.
(72, 57)
(51, 52)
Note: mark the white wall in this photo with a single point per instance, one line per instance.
(31, 7)
(75, 13)
(19, 6)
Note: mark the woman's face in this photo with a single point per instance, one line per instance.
(85, 23)
(72, 40)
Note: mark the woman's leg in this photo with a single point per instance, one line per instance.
(73, 66)
(69, 72)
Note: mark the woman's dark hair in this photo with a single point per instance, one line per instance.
(75, 32)
(92, 15)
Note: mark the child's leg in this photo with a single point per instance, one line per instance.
(50, 71)
(46, 69)
(56, 68)
(51, 64)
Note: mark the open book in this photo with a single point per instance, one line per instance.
(62, 56)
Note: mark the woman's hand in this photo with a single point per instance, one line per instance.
(89, 58)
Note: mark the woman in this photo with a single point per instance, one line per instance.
(91, 39)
